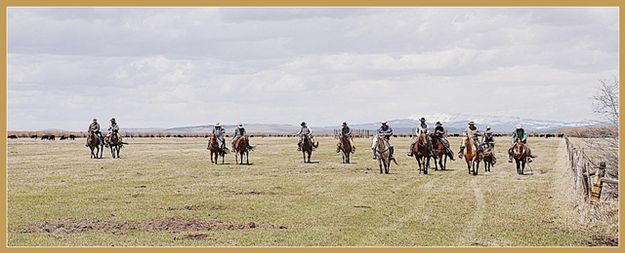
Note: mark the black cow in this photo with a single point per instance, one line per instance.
(12, 136)
(64, 137)
(72, 137)
(44, 137)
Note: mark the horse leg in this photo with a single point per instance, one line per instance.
(477, 167)
(387, 166)
(380, 164)
(247, 157)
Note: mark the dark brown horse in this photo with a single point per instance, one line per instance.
(115, 144)
(489, 157)
(94, 143)
(421, 153)
(472, 155)
(345, 146)
(519, 152)
(440, 153)
(307, 147)
(215, 150)
(242, 148)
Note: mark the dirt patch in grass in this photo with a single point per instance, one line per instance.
(192, 237)
(250, 193)
(603, 240)
(186, 207)
(173, 224)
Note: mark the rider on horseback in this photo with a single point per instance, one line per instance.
(346, 132)
(94, 127)
(439, 133)
(238, 133)
(113, 129)
(220, 134)
(304, 131)
(423, 128)
(489, 140)
(472, 132)
(520, 134)
(385, 131)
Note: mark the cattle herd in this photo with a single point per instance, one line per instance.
(52, 137)
(49, 137)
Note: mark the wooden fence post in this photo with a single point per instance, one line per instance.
(598, 185)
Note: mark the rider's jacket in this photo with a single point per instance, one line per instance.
(519, 134)
(386, 132)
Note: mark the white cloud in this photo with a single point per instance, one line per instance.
(171, 67)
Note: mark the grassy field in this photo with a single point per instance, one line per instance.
(166, 192)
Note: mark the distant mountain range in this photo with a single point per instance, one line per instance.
(452, 122)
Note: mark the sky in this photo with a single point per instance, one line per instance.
(170, 67)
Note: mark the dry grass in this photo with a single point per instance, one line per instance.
(295, 204)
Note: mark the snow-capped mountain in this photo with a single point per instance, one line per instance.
(452, 122)
(457, 122)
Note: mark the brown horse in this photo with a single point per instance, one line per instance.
(421, 153)
(472, 155)
(215, 150)
(94, 143)
(440, 153)
(242, 147)
(344, 146)
(519, 152)
(489, 157)
(307, 148)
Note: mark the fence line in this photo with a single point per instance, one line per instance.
(589, 178)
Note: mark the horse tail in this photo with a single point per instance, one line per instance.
(316, 145)
(395, 161)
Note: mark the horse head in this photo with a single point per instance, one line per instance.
(519, 149)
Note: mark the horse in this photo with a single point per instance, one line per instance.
(421, 153)
(471, 155)
(519, 152)
(307, 148)
(345, 146)
(383, 150)
(440, 154)
(115, 144)
(215, 150)
(242, 147)
(489, 157)
(94, 143)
